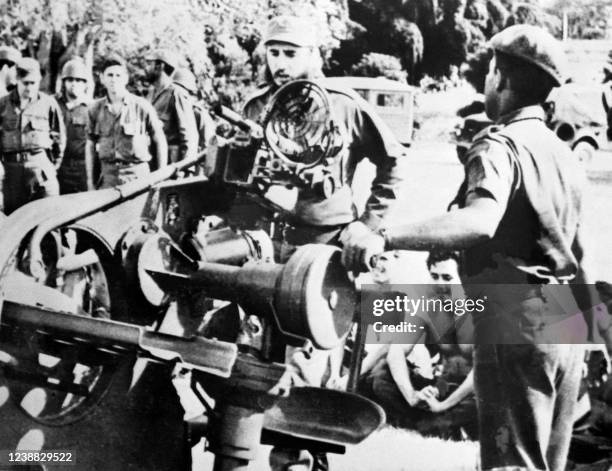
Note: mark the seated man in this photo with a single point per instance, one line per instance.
(406, 380)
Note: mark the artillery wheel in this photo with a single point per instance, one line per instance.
(54, 382)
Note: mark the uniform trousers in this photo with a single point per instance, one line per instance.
(27, 177)
(526, 397)
(113, 173)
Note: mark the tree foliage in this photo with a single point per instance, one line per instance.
(588, 19)
(217, 39)
(379, 65)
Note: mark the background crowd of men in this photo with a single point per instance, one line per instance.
(71, 143)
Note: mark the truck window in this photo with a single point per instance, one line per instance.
(363, 93)
(390, 100)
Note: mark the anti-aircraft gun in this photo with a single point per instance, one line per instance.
(94, 284)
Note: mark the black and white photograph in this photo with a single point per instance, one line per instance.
(305, 235)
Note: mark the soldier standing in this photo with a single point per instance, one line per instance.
(9, 56)
(518, 219)
(121, 128)
(74, 102)
(173, 106)
(204, 122)
(291, 54)
(33, 138)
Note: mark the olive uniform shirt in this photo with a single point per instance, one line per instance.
(366, 136)
(124, 137)
(175, 110)
(525, 168)
(535, 177)
(38, 126)
(75, 119)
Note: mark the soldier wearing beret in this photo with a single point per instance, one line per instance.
(517, 216)
(121, 128)
(9, 56)
(74, 103)
(173, 107)
(33, 138)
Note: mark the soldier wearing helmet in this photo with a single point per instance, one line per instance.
(74, 100)
(32, 139)
(173, 106)
(517, 216)
(9, 56)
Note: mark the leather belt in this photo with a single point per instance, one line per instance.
(20, 157)
(122, 163)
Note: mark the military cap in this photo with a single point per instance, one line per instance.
(27, 67)
(76, 69)
(294, 30)
(8, 53)
(185, 79)
(165, 56)
(534, 45)
(112, 60)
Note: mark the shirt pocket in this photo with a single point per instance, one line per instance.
(134, 143)
(103, 126)
(36, 132)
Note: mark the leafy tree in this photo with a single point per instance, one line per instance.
(217, 39)
(588, 19)
(379, 65)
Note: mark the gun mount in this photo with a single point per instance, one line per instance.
(104, 294)
(297, 145)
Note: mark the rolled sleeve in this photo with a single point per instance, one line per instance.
(376, 141)
(490, 172)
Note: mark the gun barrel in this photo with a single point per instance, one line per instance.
(209, 356)
(235, 119)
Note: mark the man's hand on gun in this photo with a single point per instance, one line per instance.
(360, 247)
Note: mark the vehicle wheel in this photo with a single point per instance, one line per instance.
(584, 151)
(55, 382)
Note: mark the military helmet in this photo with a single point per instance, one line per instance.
(27, 67)
(10, 54)
(166, 56)
(75, 69)
(534, 45)
(185, 79)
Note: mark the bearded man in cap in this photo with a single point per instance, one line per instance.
(74, 102)
(33, 138)
(9, 56)
(518, 220)
(173, 107)
(120, 128)
(292, 53)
